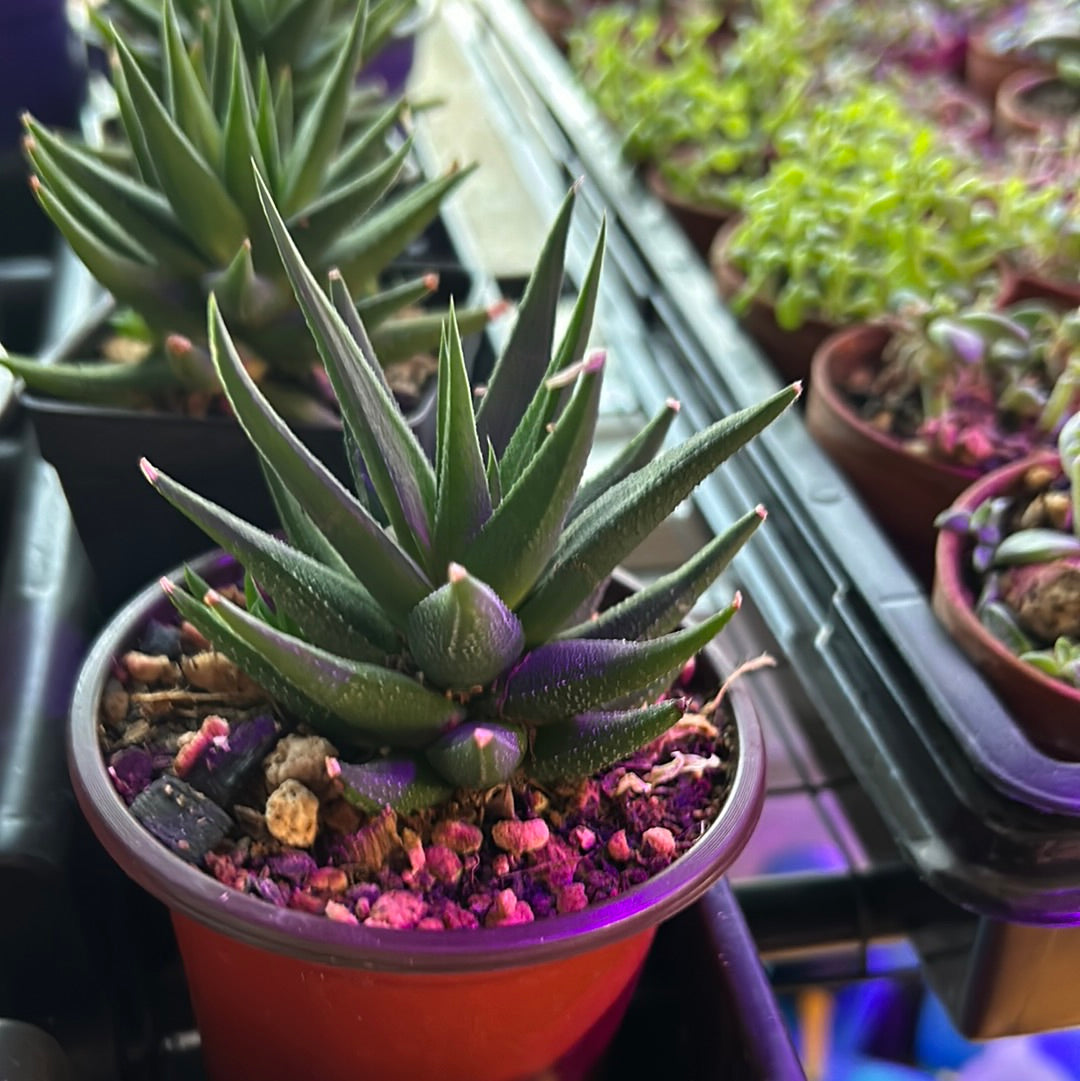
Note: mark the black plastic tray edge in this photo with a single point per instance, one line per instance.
(806, 609)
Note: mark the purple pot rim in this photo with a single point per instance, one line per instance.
(315, 939)
(949, 555)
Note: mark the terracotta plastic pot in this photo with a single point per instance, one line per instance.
(1016, 111)
(1017, 284)
(904, 492)
(985, 70)
(789, 350)
(1047, 710)
(699, 223)
(555, 20)
(282, 994)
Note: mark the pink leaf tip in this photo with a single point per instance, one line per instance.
(168, 586)
(212, 597)
(456, 573)
(736, 601)
(148, 471)
(761, 512)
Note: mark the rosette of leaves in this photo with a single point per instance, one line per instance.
(984, 387)
(865, 204)
(1028, 556)
(298, 39)
(442, 611)
(172, 214)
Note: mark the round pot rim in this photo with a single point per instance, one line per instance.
(950, 587)
(1012, 100)
(823, 386)
(316, 939)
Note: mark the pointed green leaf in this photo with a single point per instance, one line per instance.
(365, 148)
(299, 528)
(494, 480)
(400, 339)
(385, 233)
(138, 210)
(284, 112)
(218, 634)
(627, 513)
(463, 503)
(395, 581)
(634, 455)
(378, 307)
(380, 704)
(158, 297)
(129, 117)
(524, 361)
(241, 293)
(518, 540)
(94, 381)
(219, 57)
(402, 782)
(479, 754)
(462, 636)
(349, 312)
(561, 679)
(266, 129)
(197, 196)
(661, 605)
(323, 123)
(319, 224)
(400, 472)
(242, 148)
(327, 606)
(184, 92)
(580, 747)
(538, 414)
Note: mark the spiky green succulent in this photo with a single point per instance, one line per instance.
(297, 37)
(172, 213)
(442, 610)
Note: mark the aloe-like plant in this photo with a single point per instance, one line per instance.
(983, 387)
(444, 610)
(1027, 554)
(172, 213)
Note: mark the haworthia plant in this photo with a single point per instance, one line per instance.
(440, 630)
(172, 213)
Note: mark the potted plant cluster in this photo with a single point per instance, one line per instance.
(422, 822)
(1002, 45)
(1007, 586)
(700, 120)
(932, 401)
(165, 212)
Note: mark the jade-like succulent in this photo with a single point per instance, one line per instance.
(991, 386)
(1028, 555)
(172, 214)
(442, 614)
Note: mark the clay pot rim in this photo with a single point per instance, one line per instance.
(657, 183)
(951, 591)
(189, 890)
(831, 393)
(1010, 102)
(731, 279)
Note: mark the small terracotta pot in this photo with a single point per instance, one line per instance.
(1046, 709)
(1015, 113)
(904, 492)
(1017, 285)
(280, 993)
(699, 223)
(789, 350)
(985, 70)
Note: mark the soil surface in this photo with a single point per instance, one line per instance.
(232, 784)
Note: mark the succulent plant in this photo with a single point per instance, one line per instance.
(1027, 554)
(444, 610)
(173, 214)
(990, 386)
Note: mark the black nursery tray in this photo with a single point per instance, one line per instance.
(985, 818)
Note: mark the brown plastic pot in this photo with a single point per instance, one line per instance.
(985, 70)
(1046, 709)
(280, 993)
(555, 20)
(789, 350)
(1016, 111)
(700, 223)
(904, 492)
(1017, 284)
